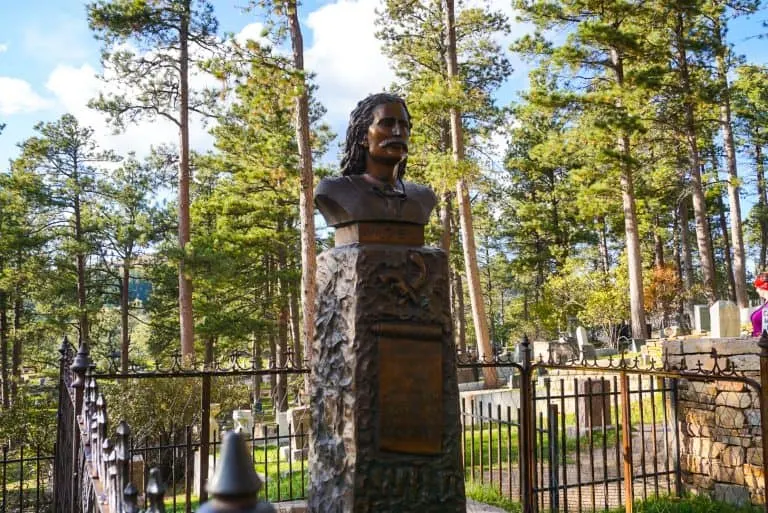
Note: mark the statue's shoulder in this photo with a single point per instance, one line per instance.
(331, 184)
(422, 193)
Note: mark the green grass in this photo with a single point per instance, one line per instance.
(489, 495)
(690, 504)
(277, 475)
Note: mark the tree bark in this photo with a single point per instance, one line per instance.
(634, 258)
(465, 212)
(685, 247)
(762, 203)
(186, 318)
(605, 259)
(658, 246)
(306, 204)
(461, 329)
(18, 313)
(125, 337)
(697, 191)
(5, 388)
(726, 249)
(298, 351)
(734, 201)
(283, 293)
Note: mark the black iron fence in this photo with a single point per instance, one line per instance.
(26, 477)
(589, 435)
(578, 442)
(280, 460)
(571, 436)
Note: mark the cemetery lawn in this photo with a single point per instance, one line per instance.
(490, 495)
(510, 448)
(282, 481)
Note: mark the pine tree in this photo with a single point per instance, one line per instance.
(171, 36)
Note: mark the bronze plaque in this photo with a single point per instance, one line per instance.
(403, 234)
(410, 396)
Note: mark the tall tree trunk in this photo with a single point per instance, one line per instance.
(82, 300)
(734, 202)
(685, 247)
(4, 329)
(256, 354)
(762, 203)
(186, 318)
(658, 246)
(306, 205)
(18, 313)
(677, 257)
(605, 259)
(283, 292)
(125, 337)
(634, 258)
(697, 190)
(295, 325)
(729, 270)
(461, 329)
(465, 213)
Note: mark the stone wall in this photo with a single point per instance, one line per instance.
(720, 435)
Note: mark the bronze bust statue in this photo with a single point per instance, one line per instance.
(371, 188)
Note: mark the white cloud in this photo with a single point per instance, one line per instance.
(346, 56)
(252, 31)
(3, 47)
(17, 96)
(74, 87)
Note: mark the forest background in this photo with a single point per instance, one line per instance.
(597, 162)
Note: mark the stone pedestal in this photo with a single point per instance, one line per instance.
(385, 434)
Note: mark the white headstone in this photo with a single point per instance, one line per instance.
(243, 420)
(724, 316)
(282, 426)
(746, 314)
(582, 337)
(701, 318)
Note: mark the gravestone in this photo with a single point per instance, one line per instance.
(701, 318)
(385, 432)
(298, 427)
(243, 422)
(745, 315)
(594, 408)
(724, 316)
(586, 350)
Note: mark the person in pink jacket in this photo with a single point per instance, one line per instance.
(758, 317)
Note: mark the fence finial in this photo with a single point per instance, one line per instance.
(130, 496)
(155, 492)
(235, 480)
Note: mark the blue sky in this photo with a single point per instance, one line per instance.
(49, 61)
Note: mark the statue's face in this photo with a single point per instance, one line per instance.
(387, 137)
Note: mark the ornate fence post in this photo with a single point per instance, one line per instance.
(235, 486)
(526, 424)
(101, 433)
(121, 460)
(78, 368)
(110, 462)
(763, 344)
(155, 492)
(626, 436)
(130, 498)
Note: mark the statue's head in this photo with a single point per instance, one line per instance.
(379, 128)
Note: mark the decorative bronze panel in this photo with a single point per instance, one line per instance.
(410, 396)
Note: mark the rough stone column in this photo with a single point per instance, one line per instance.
(385, 434)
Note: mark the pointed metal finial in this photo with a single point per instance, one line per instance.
(155, 492)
